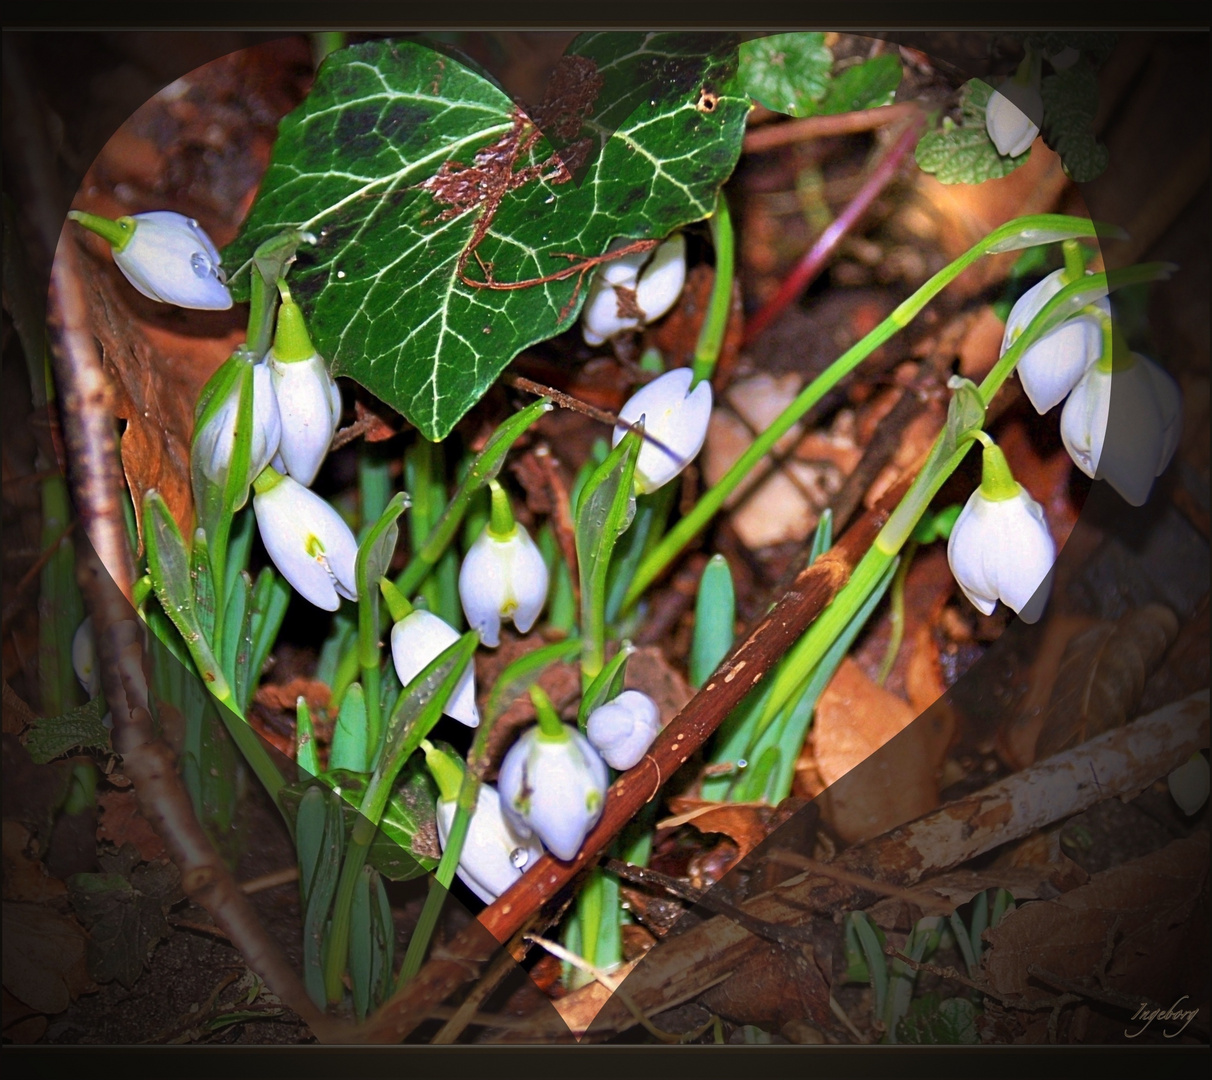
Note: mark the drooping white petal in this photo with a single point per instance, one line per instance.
(1123, 426)
(1051, 367)
(215, 442)
(1013, 117)
(502, 579)
(84, 658)
(309, 542)
(556, 788)
(310, 404)
(1189, 784)
(171, 259)
(416, 641)
(622, 730)
(494, 854)
(1002, 550)
(662, 279)
(675, 426)
(656, 287)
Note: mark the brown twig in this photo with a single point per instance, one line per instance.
(814, 260)
(820, 127)
(106, 571)
(809, 595)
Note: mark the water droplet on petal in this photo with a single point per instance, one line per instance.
(519, 857)
(202, 266)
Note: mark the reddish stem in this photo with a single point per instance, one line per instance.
(818, 255)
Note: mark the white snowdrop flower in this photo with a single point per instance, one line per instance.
(84, 658)
(1000, 547)
(214, 440)
(494, 853)
(622, 730)
(166, 256)
(503, 575)
(1189, 784)
(675, 426)
(307, 539)
(553, 782)
(645, 292)
(416, 641)
(1145, 424)
(1051, 367)
(308, 397)
(1013, 117)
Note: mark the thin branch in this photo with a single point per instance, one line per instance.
(814, 260)
(811, 592)
(106, 570)
(819, 127)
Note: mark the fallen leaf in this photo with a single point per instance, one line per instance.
(1102, 677)
(25, 875)
(1125, 927)
(44, 957)
(120, 823)
(125, 916)
(677, 335)
(748, 823)
(285, 696)
(854, 718)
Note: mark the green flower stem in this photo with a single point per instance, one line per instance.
(369, 660)
(1075, 261)
(500, 523)
(375, 799)
(425, 479)
(896, 603)
(262, 307)
(816, 641)
(711, 336)
(439, 889)
(118, 233)
(1044, 225)
(484, 468)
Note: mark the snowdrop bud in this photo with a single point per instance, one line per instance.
(503, 575)
(166, 256)
(1013, 117)
(308, 398)
(84, 658)
(675, 425)
(307, 539)
(1189, 784)
(553, 782)
(622, 296)
(214, 440)
(1051, 367)
(416, 641)
(1065, 58)
(622, 730)
(1000, 547)
(1144, 425)
(494, 854)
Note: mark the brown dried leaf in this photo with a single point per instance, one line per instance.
(677, 334)
(45, 965)
(121, 823)
(1123, 930)
(285, 696)
(1102, 677)
(25, 876)
(854, 718)
(746, 823)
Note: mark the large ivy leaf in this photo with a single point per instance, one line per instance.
(963, 153)
(418, 175)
